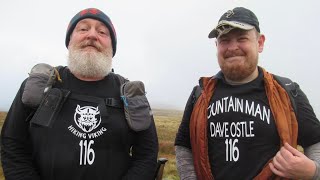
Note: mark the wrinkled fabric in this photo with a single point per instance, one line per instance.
(280, 105)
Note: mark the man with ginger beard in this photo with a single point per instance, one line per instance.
(89, 136)
(240, 123)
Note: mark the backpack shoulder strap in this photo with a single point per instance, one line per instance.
(114, 102)
(197, 93)
(290, 87)
(121, 79)
(197, 90)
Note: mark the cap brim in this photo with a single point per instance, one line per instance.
(213, 33)
(234, 24)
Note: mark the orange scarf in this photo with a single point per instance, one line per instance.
(281, 109)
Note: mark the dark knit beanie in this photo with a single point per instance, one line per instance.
(96, 14)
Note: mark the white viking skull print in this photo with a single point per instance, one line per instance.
(86, 118)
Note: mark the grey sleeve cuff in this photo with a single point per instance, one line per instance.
(316, 175)
(185, 163)
(313, 153)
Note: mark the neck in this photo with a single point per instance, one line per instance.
(88, 79)
(249, 78)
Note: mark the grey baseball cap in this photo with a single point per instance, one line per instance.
(238, 17)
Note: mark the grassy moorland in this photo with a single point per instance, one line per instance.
(167, 122)
(2, 116)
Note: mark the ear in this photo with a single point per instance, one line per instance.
(261, 40)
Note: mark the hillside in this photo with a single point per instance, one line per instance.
(2, 116)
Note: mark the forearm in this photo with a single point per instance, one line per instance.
(185, 164)
(313, 153)
(184, 159)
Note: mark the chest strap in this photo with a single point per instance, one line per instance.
(102, 102)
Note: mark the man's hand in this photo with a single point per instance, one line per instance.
(291, 163)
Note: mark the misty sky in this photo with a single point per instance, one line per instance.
(163, 43)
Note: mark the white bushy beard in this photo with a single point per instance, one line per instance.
(89, 65)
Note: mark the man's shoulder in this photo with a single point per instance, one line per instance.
(282, 79)
(118, 77)
(290, 87)
(287, 84)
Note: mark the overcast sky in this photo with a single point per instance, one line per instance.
(161, 42)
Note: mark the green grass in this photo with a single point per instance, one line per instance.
(2, 116)
(167, 123)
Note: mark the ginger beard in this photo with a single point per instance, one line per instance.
(89, 64)
(237, 70)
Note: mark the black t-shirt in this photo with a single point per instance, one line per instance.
(93, 140)
(87, 139)
(242, 135)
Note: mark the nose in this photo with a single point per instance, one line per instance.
(233, 45)
(92, 34)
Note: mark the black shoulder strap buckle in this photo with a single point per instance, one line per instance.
(112, 102)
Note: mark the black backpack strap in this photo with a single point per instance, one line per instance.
(112, 102)
(102, 102)
(121, 79)
(291, 89)
(198, 89)
(197, 93)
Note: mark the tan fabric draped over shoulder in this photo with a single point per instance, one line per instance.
(284, 116)
(198, 130)
(281, 109)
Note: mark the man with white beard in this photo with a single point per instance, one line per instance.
(88, 136)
